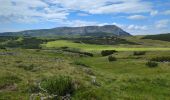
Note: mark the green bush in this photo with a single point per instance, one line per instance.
(87, 54)
(2, 47)
(60, 85)
(151, 64)
(111, 58)
(161, 59)
(65, 47)
(73, 50)
(137, 53)
(107, 52)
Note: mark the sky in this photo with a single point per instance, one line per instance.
(138, 17)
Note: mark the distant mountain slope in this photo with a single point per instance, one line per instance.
(162, 37)
(107, 30)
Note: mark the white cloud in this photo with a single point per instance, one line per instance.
(136, 27)
(154, 12)
(162, 23)
(137, 17)
(167, 12)
(105, 6)
(29, 11)
(77, 23)
(83, 14)
(56, 10)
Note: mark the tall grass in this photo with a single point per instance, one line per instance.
(8, 80)
(58, 85)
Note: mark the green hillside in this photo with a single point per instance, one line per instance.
(64, 68)
(162, 37)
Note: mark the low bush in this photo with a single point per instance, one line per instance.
(111, 58)
(65, 47)
(107, 52)
(59, 85)
(161, 59)
(1, 47)
(78, 51)
(137, 53)
(87, 53)
(151, 64)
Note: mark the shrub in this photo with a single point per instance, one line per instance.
(107, 52)
(65, 47)
(1, 47)
(161, 59)
(60, 85)
(151, 64)
(137, 53)
(73, 50)
(111, 58)
(87, 53)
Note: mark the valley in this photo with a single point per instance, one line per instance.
(28, 63)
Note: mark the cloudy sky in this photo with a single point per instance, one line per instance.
(134, 16)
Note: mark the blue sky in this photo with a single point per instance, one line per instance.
(134, 16)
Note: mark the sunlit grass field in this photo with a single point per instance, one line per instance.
(93, 47)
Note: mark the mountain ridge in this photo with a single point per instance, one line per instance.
(82, 31)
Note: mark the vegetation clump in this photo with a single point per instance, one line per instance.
(59, 85)
(107, 52)
(22, 42)
(8, 80)
(138, 53)
(162, 37)
(161, 59)
(27, 67)
(80, 63)
(72, 50)
(152, 64)
(101, 38)
(65, 47)
(111, 58)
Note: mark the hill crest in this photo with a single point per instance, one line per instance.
(106, 30)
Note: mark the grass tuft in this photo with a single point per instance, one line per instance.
(59, 85)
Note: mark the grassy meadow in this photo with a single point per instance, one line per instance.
(94, 47)
(90, 77)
